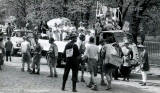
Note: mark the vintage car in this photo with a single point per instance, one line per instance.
(17, 39)
(44, 42)
(119, 36)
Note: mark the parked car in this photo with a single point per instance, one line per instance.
(119, 36)
(44, 42)
(17, 39)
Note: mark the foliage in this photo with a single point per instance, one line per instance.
(134, 11)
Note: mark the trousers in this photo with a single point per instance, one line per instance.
(144, 76)
(74, 66)
(8, 54)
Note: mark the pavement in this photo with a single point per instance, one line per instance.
(12, 80)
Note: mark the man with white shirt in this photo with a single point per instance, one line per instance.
(91, 53)
(26, 57)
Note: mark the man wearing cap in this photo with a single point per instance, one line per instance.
(26, 56)
(144, 63)
(71, 53)
(91, 53)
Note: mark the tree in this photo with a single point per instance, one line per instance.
(135, 12)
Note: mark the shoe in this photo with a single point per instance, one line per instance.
(94, 88)
(37, 73)
(108, 88)
(90, 85)
(144, 84)
(29, 70)
(63, 89)
(103, 83)
(116, 79)
(50, 76)
(74, 90)
(82, 80)
(141, 83)
(55, 75)
(127, 80)
(33, 71)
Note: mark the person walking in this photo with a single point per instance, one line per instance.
(8, 48)
(91, 53)
(9, 30)
(71, 53)
(36, 57)
(52, 57)
(119, 54)
(108, 66)
(101, 59)
(26, 56)
(144, 63)
(81, 46)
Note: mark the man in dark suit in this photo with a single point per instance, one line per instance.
(71, 53)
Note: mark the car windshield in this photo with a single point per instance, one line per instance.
(22, 33)
(119, 37)
(114, 37)
(109, 37)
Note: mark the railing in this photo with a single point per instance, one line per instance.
(153, 48)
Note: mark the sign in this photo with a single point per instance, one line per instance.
(69, 52)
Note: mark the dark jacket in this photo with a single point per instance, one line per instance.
(8, 46)
(76, 52)
(145, 65)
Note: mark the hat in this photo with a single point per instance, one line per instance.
(141, 46)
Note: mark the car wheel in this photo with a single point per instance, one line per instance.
(59, 63)
(14, 53)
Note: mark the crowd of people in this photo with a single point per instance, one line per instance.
(79, 51)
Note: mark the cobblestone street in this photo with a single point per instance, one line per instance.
(12, 80)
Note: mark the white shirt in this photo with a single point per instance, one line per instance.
(25, 46)
(92, 51)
